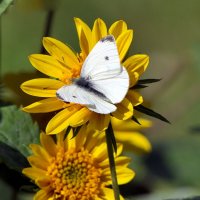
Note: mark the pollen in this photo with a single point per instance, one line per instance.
(74, 175)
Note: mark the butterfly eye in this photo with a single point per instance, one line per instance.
(74, 96)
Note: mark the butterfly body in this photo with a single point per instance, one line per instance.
(86, 84)
(103, 81)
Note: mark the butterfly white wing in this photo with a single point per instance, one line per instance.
(103, 61)
(114, 88)
(75, 94)
(103, 82)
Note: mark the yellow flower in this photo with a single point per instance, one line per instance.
(128, 133)
(75, 168)
(63, 65)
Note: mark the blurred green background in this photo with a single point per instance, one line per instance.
(169, 32)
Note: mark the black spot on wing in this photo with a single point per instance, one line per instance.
(109, 38)
(106, 58)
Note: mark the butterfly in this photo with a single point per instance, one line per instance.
(103, 82)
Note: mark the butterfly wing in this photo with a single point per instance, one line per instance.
(75, 94)
(114, 88)
(103, 61)
(102, 69)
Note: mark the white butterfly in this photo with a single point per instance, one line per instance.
(103, 81)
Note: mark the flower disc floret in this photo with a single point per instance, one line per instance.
(75, 168)
(74, 175)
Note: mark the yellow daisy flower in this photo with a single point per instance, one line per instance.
(75, 168)
(128, 133)
(63, 65)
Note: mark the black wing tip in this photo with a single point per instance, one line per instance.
(59, 97)
(108, 38)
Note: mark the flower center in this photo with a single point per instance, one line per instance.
(74, 175)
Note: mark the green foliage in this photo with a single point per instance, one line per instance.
(4, 4)
(190, 198)
(12, 158)
(150, 112)
(111, 145)
(5, 190)
(17, 129)
(141, 82)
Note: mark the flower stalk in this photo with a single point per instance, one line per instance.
(110, 147)
(47, 30)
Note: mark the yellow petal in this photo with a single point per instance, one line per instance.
(70, 141)
(37, 162)
(42, 195)
(124, 42)
(136, 65)
(108, 194)
(124, 110)
(118, 28)
(120, 161)
(48, 143)
(45, 105)
(84, 35)
(33, 172)
(80, 117)
(134, 97)
(100, 152)
(99, 30)
(42, 87)
(60, 139)
(43, 182)
(62, 120)
(124, 174)
(129, 125)
(49, 66)
(61, 52)
(134, 141)
(40, 152)
(99, 122)
(81, 137)
(92, 139)
(119, 149)
(104, 160)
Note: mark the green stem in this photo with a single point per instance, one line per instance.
(0, 51)
(48, 25)
(112, 162)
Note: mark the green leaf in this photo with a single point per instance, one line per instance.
(67, 132)
(4, 4)
(12, 158)
(17, 129)
(140, 83)
(147, 81)
(150, 112)
(139, 86)
(76, 130)
(135, 120)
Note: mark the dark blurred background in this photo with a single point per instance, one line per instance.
(169, 32)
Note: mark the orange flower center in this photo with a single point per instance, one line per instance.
(74, 175)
